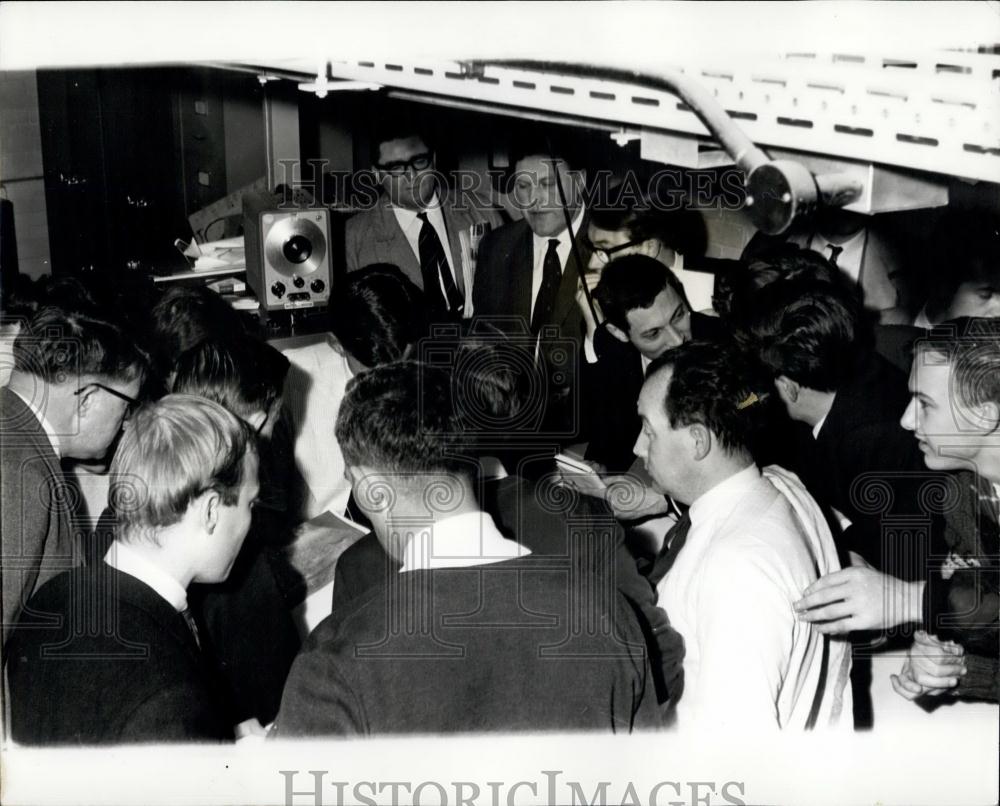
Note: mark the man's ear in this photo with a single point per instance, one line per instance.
(788, 390)
(618, 333)
(989, 415)
(209, 509)
(701, 441)
(86, 400)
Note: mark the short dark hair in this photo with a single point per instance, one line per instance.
(964, 248)
(811, 331)
(643, 218)
(56, 345)
(716, 385)
(972, 347)
(737, 290)
(174, 450)
(631, 282)
(244, 375)
(548, 143)
(398, 124)
(185, 316)
(377, 313)
(399, 418)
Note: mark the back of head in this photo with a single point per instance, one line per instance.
(630, 282)
(245, 375)
(716, 385)
(399, 419)
(60, 346)
(377, 314)
(172, 452)
(810, 331)
(183, 317)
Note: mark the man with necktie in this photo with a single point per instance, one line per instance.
(527, 278)
(417, 224)
(749, 544)
(120, 659)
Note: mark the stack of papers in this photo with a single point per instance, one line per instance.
(229, 253)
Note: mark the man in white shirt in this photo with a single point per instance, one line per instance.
(120, 658)
(429, 233)
(742, 555)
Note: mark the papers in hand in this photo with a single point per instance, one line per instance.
(580, 475)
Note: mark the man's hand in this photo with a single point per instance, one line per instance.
(591, 484)
(630, 499)
(932, 667)
(859, 598)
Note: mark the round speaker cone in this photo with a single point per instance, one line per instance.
(294, 246)
(297, 249)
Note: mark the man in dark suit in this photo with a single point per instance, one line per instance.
(431, 234)
(74, 379)
(120, 658)
(486, 638)
(527, 279)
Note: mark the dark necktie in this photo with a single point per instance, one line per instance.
(834, 252)
(192, 626)
(672, 545)
(442, 294)
(545, 302)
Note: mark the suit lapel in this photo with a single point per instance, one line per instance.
(391, 244)
(566, 299)
(522, 261)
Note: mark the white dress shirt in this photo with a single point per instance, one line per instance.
(460, 541)
(50, 432)
(756, 543)
(411, 226)
(851, 256)
(129, 561)
(540, 246)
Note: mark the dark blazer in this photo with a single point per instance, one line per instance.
(374, 236)
(498, 647)
(120, 666)
(36, 510)
(502, 294)
(862, 451)
(551, 523)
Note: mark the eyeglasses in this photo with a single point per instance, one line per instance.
(418, 162)
(131, 401)
(605, 254)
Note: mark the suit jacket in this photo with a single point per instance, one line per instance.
(534, 516)
(119, 665)
(861, 451)
(36, 517)
(374, 236)
(482, 648)
(502, 294)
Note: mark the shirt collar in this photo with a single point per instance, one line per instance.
(50, 432)
(405, 216)
(714, 501)
(542, 241)
(129, 561)
(819, 426)
(460, 541)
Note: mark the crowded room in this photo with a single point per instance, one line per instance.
(485, 393)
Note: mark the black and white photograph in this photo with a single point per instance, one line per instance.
(487, 404)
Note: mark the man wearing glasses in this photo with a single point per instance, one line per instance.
(74, 381)
(417, 225)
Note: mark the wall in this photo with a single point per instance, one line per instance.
(21, 169)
